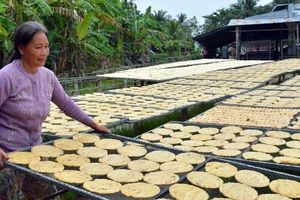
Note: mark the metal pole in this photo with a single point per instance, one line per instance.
(281, 49)
(297, 31)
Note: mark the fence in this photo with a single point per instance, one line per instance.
(92, 83)
(83, 85)
(269, 50)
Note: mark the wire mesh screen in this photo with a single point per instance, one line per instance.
(289, 49)
(259, 50)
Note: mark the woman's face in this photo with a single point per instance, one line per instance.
(36, 51)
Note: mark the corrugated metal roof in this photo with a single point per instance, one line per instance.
(241, 22)
(267, 26)
(281, 14)
(278, 14)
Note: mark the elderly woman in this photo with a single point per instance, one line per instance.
(26, 89)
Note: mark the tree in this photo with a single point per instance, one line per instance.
(275, 2)
(240, 10)
(186, 30)
(217, 19)
(75, 32)
(162, 16)
(264, 9)
(195, 27)
(88, 32)
(245, 8)
(182, 18)
(74, 27)
(175, 30)
(175, 34)
(13, 13)
(140, 31)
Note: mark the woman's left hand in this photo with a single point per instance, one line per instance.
(3, 156)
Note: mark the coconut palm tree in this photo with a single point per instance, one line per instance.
(140, 31)
(182, 18)
(239, 10)
(162, 16)
(245, 8)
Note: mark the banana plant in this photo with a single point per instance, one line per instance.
(76, 32)
(140, 31)
(13, 13)
(6, 31)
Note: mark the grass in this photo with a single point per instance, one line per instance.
(92, 86)
(124, 130)
(199, 108)
(136, 128)
(68, 196)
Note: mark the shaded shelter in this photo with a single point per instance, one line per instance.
(267, 36)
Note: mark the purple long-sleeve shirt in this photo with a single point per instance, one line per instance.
(25, 104)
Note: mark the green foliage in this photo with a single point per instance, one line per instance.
(159, 57)
(245, 8)
(161, 16)
(85, 5)
(239, 10)
(275, 2)
(43, 7)
(83, 33)
(68, 196)
(3, 7)
(139, 32)
(175, 30)
(6, 45)
(82, 27)
(89, 87)
(3, 31)
(6, 32)
(141, 126)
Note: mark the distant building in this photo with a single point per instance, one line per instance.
(268, 36)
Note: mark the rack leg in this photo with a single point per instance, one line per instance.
(53, 195)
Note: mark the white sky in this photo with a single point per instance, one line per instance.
(191, 8)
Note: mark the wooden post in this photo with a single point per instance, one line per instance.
(76, 90)
(66, 87)
(238, 41)
(125, 83)
(291, 38)
(99, 85)
(297, 29)
(80, 80)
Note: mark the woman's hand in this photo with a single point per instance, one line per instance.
(3, 156)
(99, 128)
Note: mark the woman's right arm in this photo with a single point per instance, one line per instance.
(5, 87)
(3, 156)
